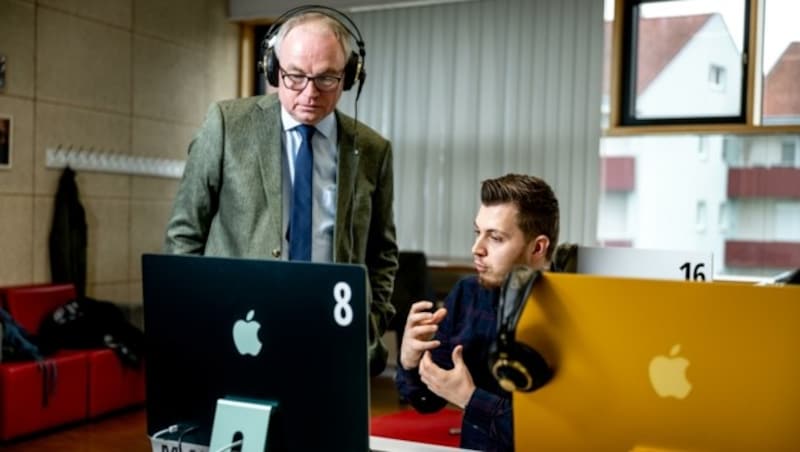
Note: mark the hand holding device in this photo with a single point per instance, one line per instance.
(454, 385)
(421, 325)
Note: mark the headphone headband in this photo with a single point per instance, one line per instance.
(354, 68)
(333, 13)
(513, 295)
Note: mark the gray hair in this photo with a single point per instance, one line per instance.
(341, 32)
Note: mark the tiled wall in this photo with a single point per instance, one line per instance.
(132, 76)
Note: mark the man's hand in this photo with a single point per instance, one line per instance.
(455, 385)
(421, 325)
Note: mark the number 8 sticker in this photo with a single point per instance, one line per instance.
(342, 312)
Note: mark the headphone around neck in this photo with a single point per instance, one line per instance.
(516, 366)
(353, 70)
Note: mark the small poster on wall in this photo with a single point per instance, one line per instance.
(5, 141)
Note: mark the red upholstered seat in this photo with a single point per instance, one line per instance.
(113, 386)
(29, 305)
(86, 383)
(442, 427)
(22, 402)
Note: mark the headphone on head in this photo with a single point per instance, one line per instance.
(516, 366)
(353, 70)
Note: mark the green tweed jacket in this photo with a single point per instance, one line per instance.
(229, 202)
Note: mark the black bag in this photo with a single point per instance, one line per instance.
(87, 323)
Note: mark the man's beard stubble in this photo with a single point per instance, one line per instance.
(488, 284)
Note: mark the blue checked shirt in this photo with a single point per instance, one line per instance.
(472, 322)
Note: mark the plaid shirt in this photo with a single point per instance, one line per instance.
(471, 321)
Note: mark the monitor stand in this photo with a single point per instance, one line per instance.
(241, 425)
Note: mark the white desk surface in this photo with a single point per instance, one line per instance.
(378, 443)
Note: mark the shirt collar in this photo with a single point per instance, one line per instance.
(327, 126)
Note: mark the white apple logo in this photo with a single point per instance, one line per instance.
(668, 374)
(245, 335)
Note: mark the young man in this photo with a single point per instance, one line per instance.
(444, 356)
(283, 176)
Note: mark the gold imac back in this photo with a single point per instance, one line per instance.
(661, 365)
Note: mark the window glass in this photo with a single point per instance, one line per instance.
(716, 77)
(781, 63)
(688, 59)
(789, 152)
(735, 196)
(738, 199)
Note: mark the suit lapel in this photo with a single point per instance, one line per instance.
(267, 140)
(346, 180)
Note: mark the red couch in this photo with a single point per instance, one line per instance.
(87, 384)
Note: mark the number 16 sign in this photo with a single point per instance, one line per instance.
(646, 263)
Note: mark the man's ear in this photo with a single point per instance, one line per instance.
(539, 248)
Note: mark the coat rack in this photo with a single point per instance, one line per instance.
(80, 159)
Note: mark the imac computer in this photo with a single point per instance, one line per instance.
(647, 364)
(253, 351)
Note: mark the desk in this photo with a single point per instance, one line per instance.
(376, 443)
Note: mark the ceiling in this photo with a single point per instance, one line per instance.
(265, 10)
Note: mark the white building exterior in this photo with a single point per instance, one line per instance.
(679, 199)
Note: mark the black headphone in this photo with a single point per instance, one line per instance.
(353, 70)
(516, 366)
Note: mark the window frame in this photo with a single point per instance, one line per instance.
(250, 52)
(749, 122)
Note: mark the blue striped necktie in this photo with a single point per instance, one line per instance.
(300, 223)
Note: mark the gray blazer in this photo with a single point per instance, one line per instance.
(229, 202)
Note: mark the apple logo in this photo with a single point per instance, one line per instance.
(668, 374)
(245, 335)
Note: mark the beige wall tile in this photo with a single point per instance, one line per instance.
(115, 12)
(61, 125)
(148, 226)
(116, 292)
(135, 294)
(42, 223)
(179, 21)
(16, 43)
(168, 81)
(90, 94)
(96, 184)
(162, 139)
(16, 236)
(154, 188)
(223, 53)
(19, 177)
(107, 256)
(82, 62)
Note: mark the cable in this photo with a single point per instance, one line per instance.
(183, 433)
(352, 257)
(171, 429)
(230, 446)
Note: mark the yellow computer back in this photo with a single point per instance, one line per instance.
(647, 364)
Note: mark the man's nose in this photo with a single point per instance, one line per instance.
(311, 89)
(477, 247)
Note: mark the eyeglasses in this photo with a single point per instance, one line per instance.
(298, 82)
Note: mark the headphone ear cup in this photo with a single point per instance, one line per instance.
(518, 367)
(351, 71)
(270, 66)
